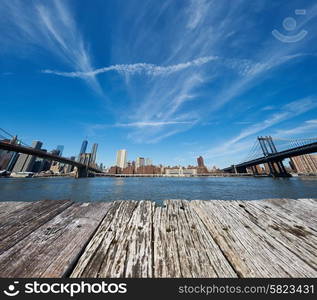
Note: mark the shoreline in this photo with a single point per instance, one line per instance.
(222, 175)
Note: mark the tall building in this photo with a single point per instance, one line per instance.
(8, 158)
(85, 158)
(70, 168)
(5, 156)
(39, 163)
(201, 165)
(200, 162)
(140, 162)
(94, 153)
(121, 158)
(83, 147)
(148, 162)
(306, 163)
(13, 161)
(60, 148)
(25, 162)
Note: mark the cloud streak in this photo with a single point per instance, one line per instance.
(307, 127)
(49, 26)
(152, 124)
(138, 68)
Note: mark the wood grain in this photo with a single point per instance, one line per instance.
(19, 223)
(251, 250)
(266, 238)
(52, 249)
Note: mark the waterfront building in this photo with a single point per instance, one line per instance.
(5, 156)
(12, 161)
(256, 170)
(200, 162)
(306, 163)
(94, 153)
(85, 158)
(52, 163)
(148, 162)
(121, 158)
(214, 169)
(57, 168)
(140, 162)
(148, 170)
(8, 158)
(180, 171)
(201, 166)
(128, 170)
(114, 170)
(70, 168)
(40, 163)
(26, 162)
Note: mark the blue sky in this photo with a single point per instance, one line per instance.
(170, 80)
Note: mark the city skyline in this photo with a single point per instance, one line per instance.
(168, 81)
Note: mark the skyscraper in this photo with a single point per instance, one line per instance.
(139, 162)
(83, 147)
(25, 162)
(94, 153)
(60, 148)
(8, 158)
(200, 162)
(121, 158)
(201, 166)
(306, 163)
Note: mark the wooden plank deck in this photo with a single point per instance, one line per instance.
(266, 238)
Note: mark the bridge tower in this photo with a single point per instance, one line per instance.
(277, 168)
(81, 172)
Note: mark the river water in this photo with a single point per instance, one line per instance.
(156, 189)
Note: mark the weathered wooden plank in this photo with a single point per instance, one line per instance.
(288, 230)
(303, 209)
(166, 257)
(20, 223)
(183, 247)
(251, 251)
(271, 238)
(137, 249)
(108, 252)
(10, 206)
(52, 249)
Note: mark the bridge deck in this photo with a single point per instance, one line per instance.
(268, 238)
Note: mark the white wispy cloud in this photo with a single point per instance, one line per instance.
(197, 11)
(268, 107)
(253, 73)
(48, 25)
(308, 126)
(204, 31)
(138, 68)
(152, 124)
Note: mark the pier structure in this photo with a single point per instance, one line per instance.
(263, 238)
